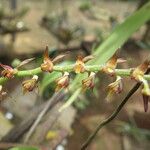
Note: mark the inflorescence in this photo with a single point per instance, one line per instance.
(49, 65)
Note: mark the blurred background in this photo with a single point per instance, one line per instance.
(69, 27)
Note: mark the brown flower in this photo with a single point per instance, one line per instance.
(146, 94)
(8, 71)
(114, 88)
(48, 63)
(62, 82)
(80, 63)
(110, 66)
(30, 84)
(88, 83)
(139, 71)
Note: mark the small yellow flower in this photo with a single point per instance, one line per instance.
(138, 75)
(30, 84)
(111, 65)
(62, 82)
(88, 83)
(80, 63)
(48, 63)
(79, 66)
(114, 88)
(139, 71)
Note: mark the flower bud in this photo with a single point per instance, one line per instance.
(8, 71)
(62, 82)
(88, 83)
(114, 88)
(30, 84)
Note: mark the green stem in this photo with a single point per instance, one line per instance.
(68, 68)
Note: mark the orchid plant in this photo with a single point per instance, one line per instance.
(104, 59)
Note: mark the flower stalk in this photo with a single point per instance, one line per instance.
(49, 65)
(69, 68)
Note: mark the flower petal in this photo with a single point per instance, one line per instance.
(79, 66)
(47, 62)
(88, 83)
(145, 102)
(62, 82)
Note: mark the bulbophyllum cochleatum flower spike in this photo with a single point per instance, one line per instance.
(138, 73)
(48, 63)
(88, 83)
(62, 82)
(111, 65)
(2, 93)
(30, 84)
(8, 71)
(114, 88)
(80, 63)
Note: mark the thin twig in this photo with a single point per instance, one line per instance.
(39, 118)
(111, 117)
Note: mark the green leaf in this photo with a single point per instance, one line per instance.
(23, 148)
(121, 33)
